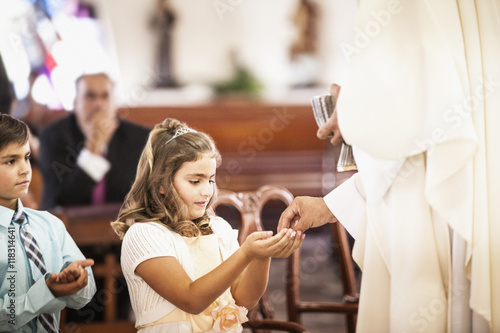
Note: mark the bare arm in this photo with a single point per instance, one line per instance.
(195, 296)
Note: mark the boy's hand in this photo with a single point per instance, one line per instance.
(262, 245)
(72, 272)
(71, 279)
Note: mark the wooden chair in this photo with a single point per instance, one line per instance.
(349, 302)
(89, 226)
(250, 204)
(274, 325)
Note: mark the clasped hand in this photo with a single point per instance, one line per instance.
(98, 130)
(262, 244)
(71, 279)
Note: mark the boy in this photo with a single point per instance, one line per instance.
(34, 245)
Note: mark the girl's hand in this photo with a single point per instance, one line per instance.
(260, 244)
(290, 242)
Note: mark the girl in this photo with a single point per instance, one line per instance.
(182, 264)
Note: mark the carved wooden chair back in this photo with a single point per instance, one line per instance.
(250, 205)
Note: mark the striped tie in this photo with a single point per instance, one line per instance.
(46, 320)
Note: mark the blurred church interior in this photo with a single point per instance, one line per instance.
(243, 71)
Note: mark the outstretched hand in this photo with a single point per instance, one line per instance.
(71, 279)
(304, 213)
(261, 244)
(332, 124)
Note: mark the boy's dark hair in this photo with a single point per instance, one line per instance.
(12, 130)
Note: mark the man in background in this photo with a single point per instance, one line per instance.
(90, 156)
(5, 94)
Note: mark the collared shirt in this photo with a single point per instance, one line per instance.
(96, 166)
(20, 304)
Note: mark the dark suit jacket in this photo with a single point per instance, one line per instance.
(5, 95)
(65, 184)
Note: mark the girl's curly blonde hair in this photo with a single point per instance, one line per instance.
(157, 167)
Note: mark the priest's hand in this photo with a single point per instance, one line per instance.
(304, 213)
(332, 124)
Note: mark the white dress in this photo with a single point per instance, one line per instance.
(206, 256)
(148, 240)
(421, 108)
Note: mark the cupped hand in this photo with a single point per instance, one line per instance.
(290, 242)
(60, 289)
(72, 272)
(71, 279)
(262, 244)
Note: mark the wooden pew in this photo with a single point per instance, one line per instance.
(260, 143)
(89, 226)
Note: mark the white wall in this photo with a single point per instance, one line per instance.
(258, 33)
(131, 44)
(336, 26)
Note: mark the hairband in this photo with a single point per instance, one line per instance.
(179, 132)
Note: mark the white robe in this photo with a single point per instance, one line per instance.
(421, 107)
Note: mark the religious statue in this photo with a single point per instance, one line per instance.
(163, 22)
(304, 60)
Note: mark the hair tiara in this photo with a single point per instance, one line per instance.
(179, 132)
